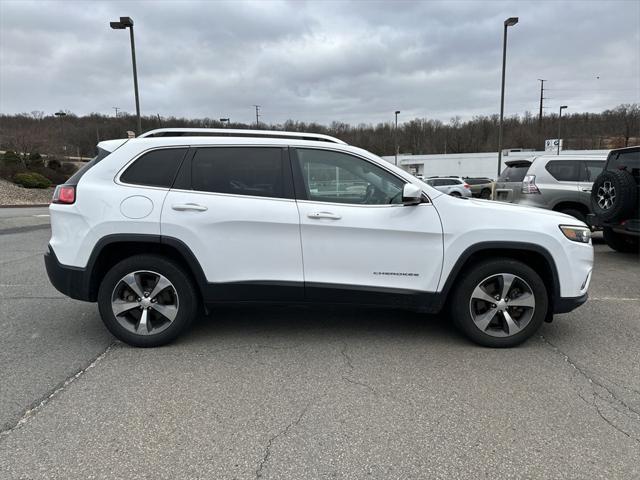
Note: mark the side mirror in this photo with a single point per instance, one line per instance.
(411, 194)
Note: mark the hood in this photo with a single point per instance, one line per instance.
(510, 210)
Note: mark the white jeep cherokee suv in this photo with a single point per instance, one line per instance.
(156, 226)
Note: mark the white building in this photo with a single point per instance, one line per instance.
(470, 164)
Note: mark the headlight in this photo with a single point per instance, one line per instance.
(577, 234)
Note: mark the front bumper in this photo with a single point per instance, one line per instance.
(70, 281)
(568, 304)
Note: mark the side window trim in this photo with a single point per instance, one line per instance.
(301, 191)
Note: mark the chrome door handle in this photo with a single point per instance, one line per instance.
(588, 190)
(330, 215)
(181, 207)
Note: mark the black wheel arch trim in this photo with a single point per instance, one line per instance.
(504, 245)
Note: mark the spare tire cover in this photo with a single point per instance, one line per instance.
(614, 195)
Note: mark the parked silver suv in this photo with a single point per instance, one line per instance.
(561, 183)
(453, 186)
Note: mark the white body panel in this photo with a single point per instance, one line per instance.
(393, 246)
(469, 222)
(238, 238)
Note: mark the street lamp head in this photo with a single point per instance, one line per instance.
(563, 107)
(122, 24)
(397, 112)
(224, 119)
(128, 21)
(511, 21)
(60, 114)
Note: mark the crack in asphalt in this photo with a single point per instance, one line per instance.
(281, 433)
(630, 412)
(365, 385)
(346, 356)
(37, 405)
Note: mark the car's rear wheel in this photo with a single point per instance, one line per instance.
(621, 242)
(147, 300)
(485, 193)
(499, 303)
(455, 194)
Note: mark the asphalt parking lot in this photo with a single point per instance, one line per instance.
(296, 392)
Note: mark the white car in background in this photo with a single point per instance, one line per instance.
(157, 226)
(453, 186)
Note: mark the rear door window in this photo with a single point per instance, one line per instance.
(253, 171)
(591, 170)
(156, 168)
(514, 173)
(564, 170)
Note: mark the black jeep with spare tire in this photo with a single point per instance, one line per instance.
(615, 200)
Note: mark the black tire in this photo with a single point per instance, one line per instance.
(485, 193)
(621, 242)
(187, 307)
(624, 201)
(455, 194)
(461, 303)
(575, 214)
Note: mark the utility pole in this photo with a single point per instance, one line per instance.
(541, 101)
(257, 116)
(116, 109)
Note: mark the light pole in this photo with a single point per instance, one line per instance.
(61, 115)
(225, 122)
(559, 122)
(396, 138)
(127, 22)
(509, 22)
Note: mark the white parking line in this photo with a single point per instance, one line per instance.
(619, 299)
(41, 215)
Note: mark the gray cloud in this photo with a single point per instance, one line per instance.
(318, 60)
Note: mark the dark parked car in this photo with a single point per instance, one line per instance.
(615, 199)
(480, 186)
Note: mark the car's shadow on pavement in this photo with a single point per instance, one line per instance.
(296, 323)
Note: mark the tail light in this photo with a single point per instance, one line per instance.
(529, 184)
(65, 194)
(466, 185)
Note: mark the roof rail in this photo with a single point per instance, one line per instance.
(234, 132)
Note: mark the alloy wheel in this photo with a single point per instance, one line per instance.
(502, 305)
(606, 195)
(144, 302)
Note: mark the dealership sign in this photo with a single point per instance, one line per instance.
(551, 145)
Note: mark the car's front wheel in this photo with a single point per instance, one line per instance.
(147, 300)
(499, 303)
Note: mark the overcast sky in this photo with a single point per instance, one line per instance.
(318, 61)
